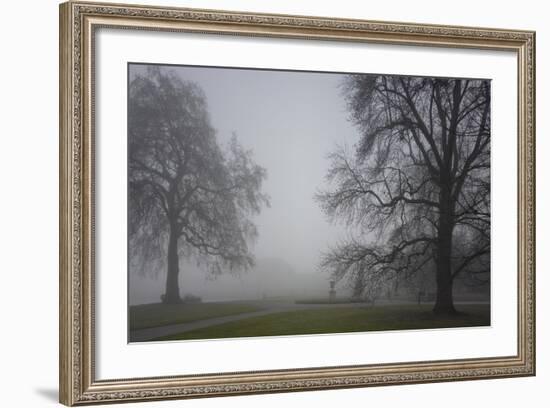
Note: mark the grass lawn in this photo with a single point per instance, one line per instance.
(326, 301)
(158, 314)
(342, 320)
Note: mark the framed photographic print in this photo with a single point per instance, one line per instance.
(256, 203)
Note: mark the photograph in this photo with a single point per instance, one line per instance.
(271, 201)
(265, 202)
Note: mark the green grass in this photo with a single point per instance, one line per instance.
(341, 320)
(158, 314)
(326, 301)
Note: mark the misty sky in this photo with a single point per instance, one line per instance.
(291, 121)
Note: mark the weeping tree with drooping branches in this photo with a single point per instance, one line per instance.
(189, 196)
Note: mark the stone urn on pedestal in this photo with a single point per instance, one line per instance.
(332, 292)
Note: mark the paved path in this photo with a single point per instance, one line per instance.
(266, 308)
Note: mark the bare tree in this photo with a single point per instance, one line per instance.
(416, 187)
(187, 196)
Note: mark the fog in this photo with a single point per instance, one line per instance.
(290, 121)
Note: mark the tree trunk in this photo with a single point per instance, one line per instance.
(444, 298)
(172, 295)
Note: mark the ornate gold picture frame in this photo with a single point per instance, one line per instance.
(79, 23)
